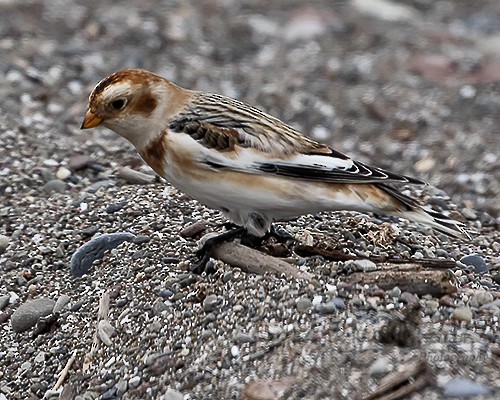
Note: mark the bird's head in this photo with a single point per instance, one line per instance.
(134, 103)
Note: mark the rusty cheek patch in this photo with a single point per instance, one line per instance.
(155, 154)
(145, 104)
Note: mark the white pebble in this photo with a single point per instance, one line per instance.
(63, 173)
(40, 358)
(51, 163)
(110, 362)
(134, 381)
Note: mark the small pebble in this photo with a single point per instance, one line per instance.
(79, 161)
(27, 315)
(83, 257)
(431, 306)
(159, 306)
(172, 394)
(326, 308)
(40, 358)
(63, 173)
(4, 243)
(105, 330)
(409, 298)
(304, 305)
(339, 303)
(165, 293)
(481, 297)
(275, 330)
(50, 163)
(193, 229)
(380, 367)
(4, 315)
(109, 394)
(61, 302)
(241, 337)
(462, 314)
(446, 301)
(235, 351)
(134, 381)
(55, 186)
(227, 276)
(211, 302)
(475, 261)
(4, 301)
(463, 388)
(141, 239)
(121, 387)
(121, 302)
(94, 187)
(394, 293)
(469, 214)
(89, 231)
(364, 265)
(112, 208)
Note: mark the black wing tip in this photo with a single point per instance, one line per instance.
(451, 227)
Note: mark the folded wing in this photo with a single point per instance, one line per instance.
(233, 135)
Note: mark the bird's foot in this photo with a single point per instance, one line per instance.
(208, 247)
(280, 234)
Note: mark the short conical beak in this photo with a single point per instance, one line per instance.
(90, 121)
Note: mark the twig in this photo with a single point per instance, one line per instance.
(397, 385)
(253, 261)
(102, 314)
(65, 371)
(336, 255)
(62, 375)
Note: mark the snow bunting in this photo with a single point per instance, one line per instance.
(235, 158)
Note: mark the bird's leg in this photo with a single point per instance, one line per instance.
(280, 234)
(207, 249)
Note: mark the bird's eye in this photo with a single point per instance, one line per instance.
(118, 104)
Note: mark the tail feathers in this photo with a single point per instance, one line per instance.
(415, 212)
(438, 221)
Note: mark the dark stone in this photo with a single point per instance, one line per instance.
(82, 259)
(477, 262)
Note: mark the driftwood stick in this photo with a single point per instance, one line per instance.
(409, 278)
(102, 314)
(253, 261)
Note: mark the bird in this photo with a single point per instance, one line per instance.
(235, 158)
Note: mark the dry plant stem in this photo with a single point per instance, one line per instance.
(400, 384)
(253, 261)
(65, 371)
(102, 314)
(62, 375)
(336, 255)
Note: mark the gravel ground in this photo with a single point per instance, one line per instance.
(411, 86)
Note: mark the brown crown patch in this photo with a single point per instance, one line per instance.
(134, 76)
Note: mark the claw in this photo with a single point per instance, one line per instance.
(207, 249)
